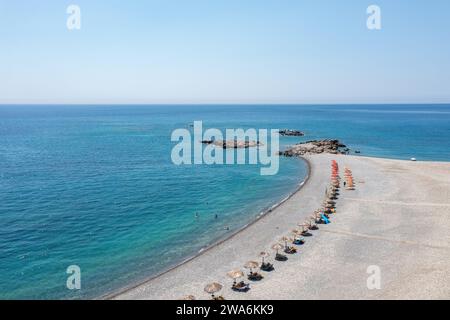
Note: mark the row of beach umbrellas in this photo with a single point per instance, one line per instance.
(310, 223)
(349, 179)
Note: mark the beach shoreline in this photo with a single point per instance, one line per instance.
(260, 216)
(344, 242)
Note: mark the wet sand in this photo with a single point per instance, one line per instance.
(397, 219)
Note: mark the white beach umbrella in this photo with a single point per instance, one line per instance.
(286, 240)
(263, 255)
(251, 265)
(277, 247)
(235, 274)
(212, 288)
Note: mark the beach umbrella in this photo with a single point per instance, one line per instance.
(212, 288)
(277, 247)
(188, 297)
(235, 274)
(263, 254)
(312, 223)
(251, 265)
(286, 240)
(296, 235)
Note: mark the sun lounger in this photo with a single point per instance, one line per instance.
(240, 287)
(325, 219)
(280, 257)
(306, 234)
(267, 267)
(290, 250)
(255, 276)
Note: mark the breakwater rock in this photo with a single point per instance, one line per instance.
(233, 144)
(291, 133)
(316, 147)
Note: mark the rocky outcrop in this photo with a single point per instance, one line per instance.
(232, 144)
(291, 133)
(316, 147)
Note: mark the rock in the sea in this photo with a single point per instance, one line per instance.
(315, 147)
(292, 133)
(233, 144)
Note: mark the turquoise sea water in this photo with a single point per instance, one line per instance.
(94, 186)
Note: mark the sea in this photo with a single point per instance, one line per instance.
(95, 187)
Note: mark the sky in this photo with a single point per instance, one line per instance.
(224, 51)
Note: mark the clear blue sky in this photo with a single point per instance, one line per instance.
(224, 51)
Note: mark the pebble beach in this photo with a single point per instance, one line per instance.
(395, 220)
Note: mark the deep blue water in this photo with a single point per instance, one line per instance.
(94, 186)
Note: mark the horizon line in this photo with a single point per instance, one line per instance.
(225, 104)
